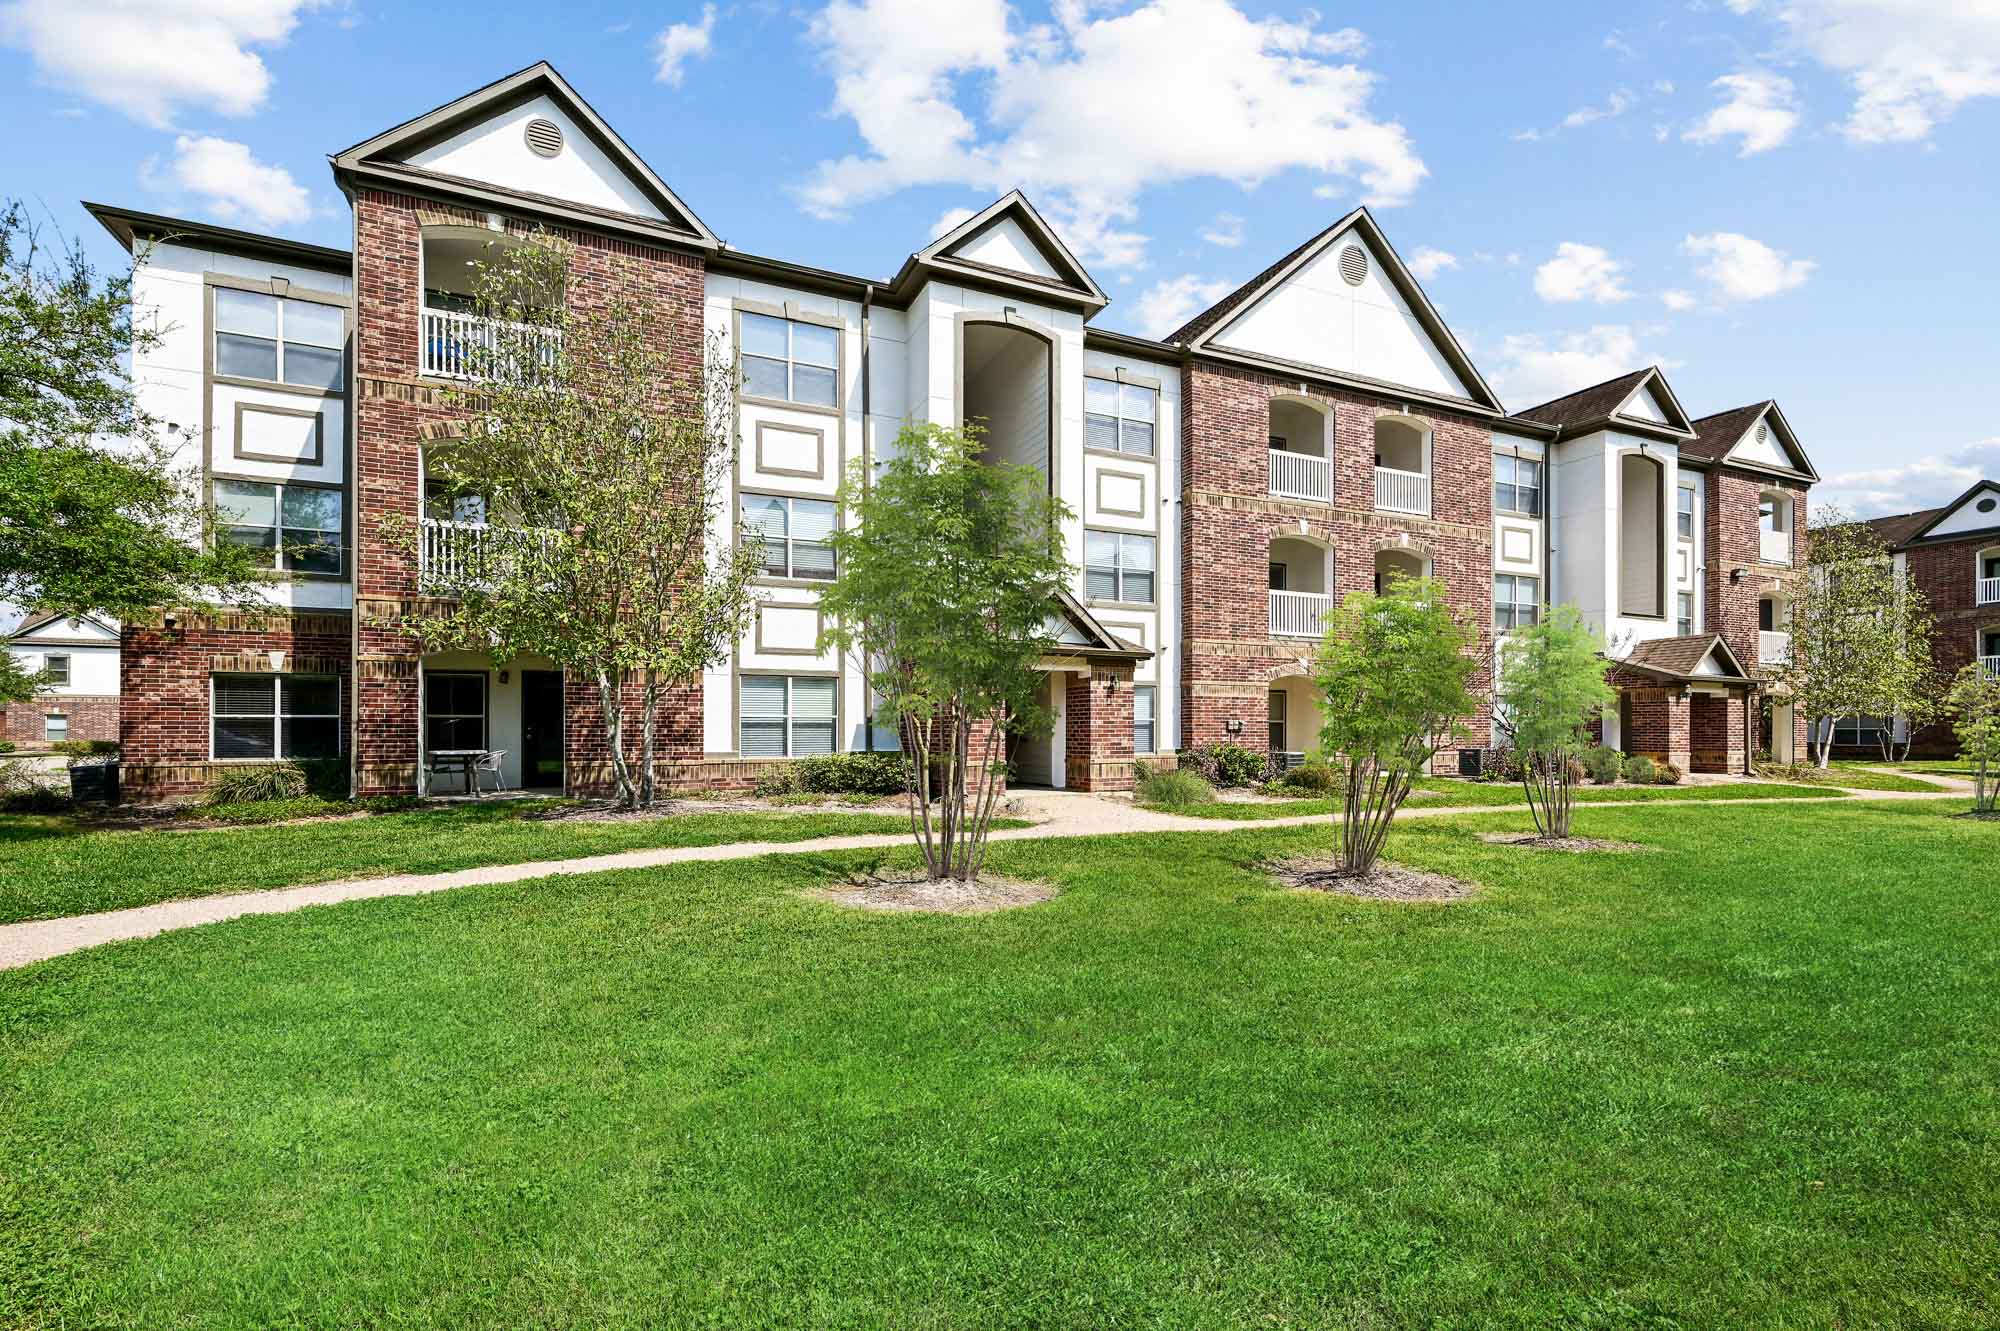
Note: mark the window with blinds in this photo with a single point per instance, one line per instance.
(789, 361)
(1120, 418)
(1119, 566)
(274, 716)
(292, 527)
(786, 716)
(794, 533)
(1145, 721)
(280, 340)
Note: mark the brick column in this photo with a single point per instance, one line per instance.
(1660, 727)
(1097, 749)
(1717, 730)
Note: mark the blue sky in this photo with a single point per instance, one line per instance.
(1773, 198)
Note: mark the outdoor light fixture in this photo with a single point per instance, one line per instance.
(503, 677)
(1736, 574)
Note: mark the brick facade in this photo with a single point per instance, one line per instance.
(1732, 539)
(1097, 729)
(91, 716)
(1947, 573)
(1229, 519)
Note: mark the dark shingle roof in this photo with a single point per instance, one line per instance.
(1227, 306)
(1715, 435)
(1674, 656)
(1586, 404)
(1900, 527)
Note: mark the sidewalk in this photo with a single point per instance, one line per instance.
(1057, 815)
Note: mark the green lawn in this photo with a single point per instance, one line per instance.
(54, 867)
(1746, 1081)
(1445, 793)
(1859, 776)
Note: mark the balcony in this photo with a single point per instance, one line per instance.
(453, 553)
(1300, 476)
(1402, 491)
(1991, 665)
(1299, 614)
(1989, 590)
(1774, 649)
(456, 345)
(1774, 547)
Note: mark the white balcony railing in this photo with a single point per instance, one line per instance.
(1991, 665)
(1989, 590)
(1299, 614)
(451, 553)
(467, 346)
(1773, 648)
(1300, 475)
(1774, 547)
(1402, 491)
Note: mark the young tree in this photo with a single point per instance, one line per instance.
(1912, 689)
(1394, 672)
(1551, 683)
(1975, 697)
(16, 683)
(1847, 639)
(948, 574)
(602, 462)
(97, 510)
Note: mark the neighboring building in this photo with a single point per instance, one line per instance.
(1320, 425)
(80, 699)
(1952, 555)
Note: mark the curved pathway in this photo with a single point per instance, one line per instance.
(1058, 815)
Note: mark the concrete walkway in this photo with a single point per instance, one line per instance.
(1056, 814)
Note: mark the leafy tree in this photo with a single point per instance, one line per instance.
(97, 509)
(946, 588)
(1551, 683)
(1394, 673)
(602, 461)
(1848, 641)
(1975, 697)
(1912, 688)
(18, 684)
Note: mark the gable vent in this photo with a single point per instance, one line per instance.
(1354, 265)
(1763, 432)
(545, 137)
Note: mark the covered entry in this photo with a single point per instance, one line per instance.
(1087, 743)
(1686, 701)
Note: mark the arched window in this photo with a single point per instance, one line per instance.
(1642, 554)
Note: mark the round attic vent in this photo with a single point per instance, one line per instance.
(1984, 506)
(1763, 432)
(1354, 265)
(545, 137)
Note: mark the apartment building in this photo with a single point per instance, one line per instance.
(1320, 426)
(79, 697)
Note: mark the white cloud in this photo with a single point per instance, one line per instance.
(1924, 483)
(1617, 104)
(1758, 108)
(1664, 87)
(1911, 63)
(1092, 110)
(149, 60)
(1226, 230)
(1166, 305)
(679, 43)
(1677, 300)
(950, 219)
(1532, 369)
(1744, 269)
(230, 181)
(1581, 272)
(1427, 263)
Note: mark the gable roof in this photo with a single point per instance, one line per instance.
(1102, 643)
(947, 254)
(36, 621)
(1680, 658)
(1196, 332)
(1597, 406)
(1898, 528)
(132, 228)
(1716, 435)
(1920, 525)
(382, 158)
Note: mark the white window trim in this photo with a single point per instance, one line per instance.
(791, 361)
(1516, 486)
(279, 717)
(1515, 605)
(1118, 418)
(1153, 691)
(485, 705)
(1118, 569)
(49, 660)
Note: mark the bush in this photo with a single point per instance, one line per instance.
(6, 746)
(1670, 774)
(837, 774)
(1796, 773)
(1173, 790)
(1642, 771)
(85, 748)
(1315, 776)
(1500, 764)
(23, 791)
(326, 778)
(1604, 765)
(1226, 764)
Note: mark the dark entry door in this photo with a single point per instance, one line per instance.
(542, 729)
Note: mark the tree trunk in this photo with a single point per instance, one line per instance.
(648, 731)
(610, 685)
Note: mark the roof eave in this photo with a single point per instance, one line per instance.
(417, 181)
(1360, 383)
(127, 225)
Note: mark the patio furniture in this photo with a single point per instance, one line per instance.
(467, 763)
(489, 761)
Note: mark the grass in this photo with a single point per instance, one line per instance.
(1725, 1084)
(1443, 792)
(1863, 776)
(55, 866)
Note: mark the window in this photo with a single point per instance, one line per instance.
(1989, 644)
(1684, 613)
(786, 716)
(1118, 566)
(1989, 566)
(1516, 601)
(274, 716)
(794, 533)
(1684, 513)
(454, 710)
(1859, 731)
(1145, 721)
(293, 527)
(57, 667)
(1517, 485)
(55, 729)
(1119, 417)
(1277, 704)
(284, 341)
(445, 502)
(789, 361)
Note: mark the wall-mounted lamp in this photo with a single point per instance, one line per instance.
(170, 619)
(1233, 726)
(503, 677)
(1736, 574)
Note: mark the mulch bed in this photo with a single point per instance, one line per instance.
(912, 891)
(1385, 882)
(1575, 845)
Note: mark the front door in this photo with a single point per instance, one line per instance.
(542, 729)
(1278, 718)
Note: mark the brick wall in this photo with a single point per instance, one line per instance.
(1733, 540)
(1097, 729)
(91, 716)
(1229, 520)
(397, 412)
(164, 674)
(1660, 726)
(1717, 733)
(1946, 573)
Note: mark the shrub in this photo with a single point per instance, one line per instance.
(1604, 765)
(1642, 771)
(836, 774)
(1670, 774)
(1315, 776)
(1226, 764)
(6, 746)
(1792, 772)
(1501, 764)
(1173, 790)
(262, 781)
(85, 748)
(23, 791)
